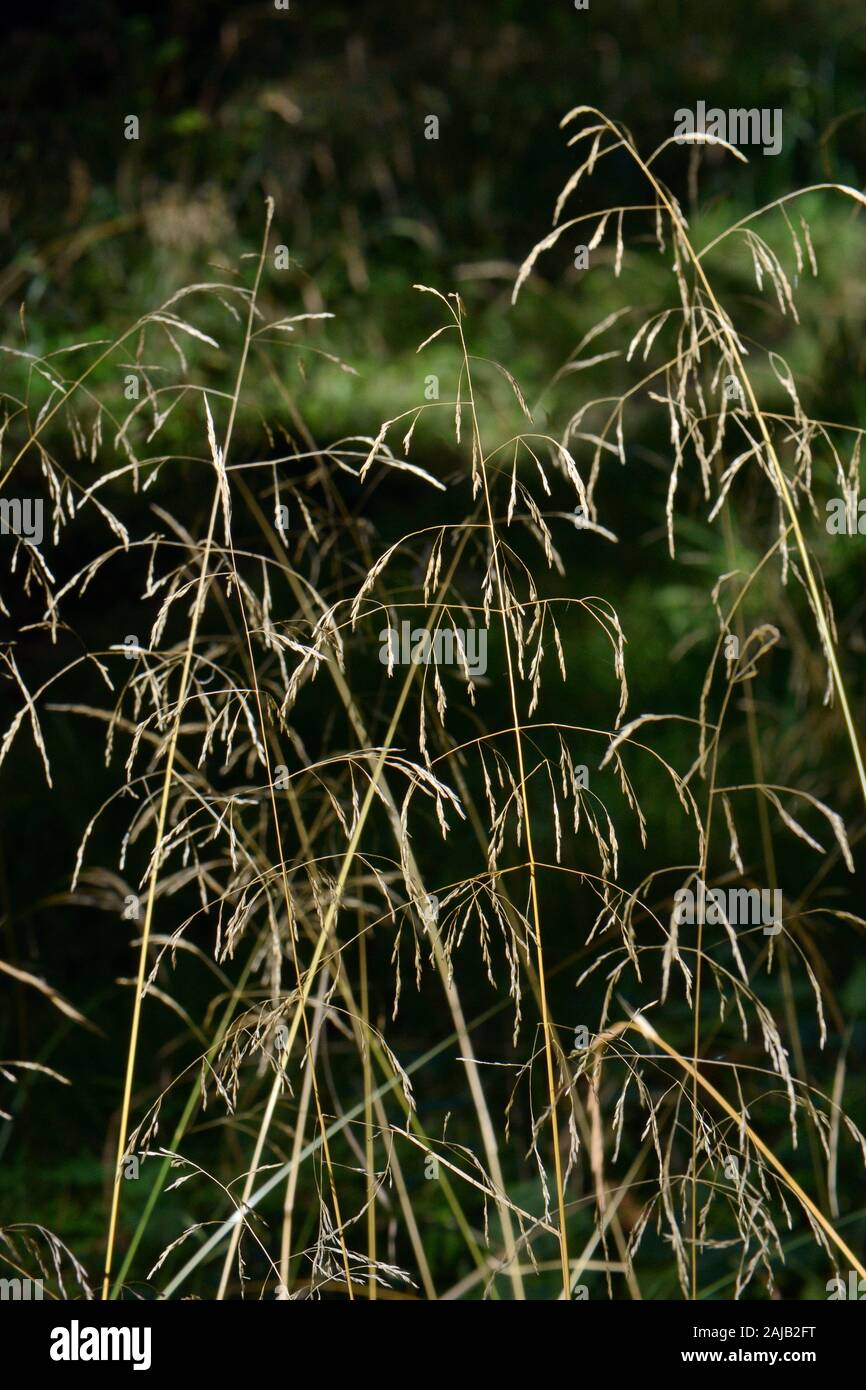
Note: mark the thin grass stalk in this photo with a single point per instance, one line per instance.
(169, 768)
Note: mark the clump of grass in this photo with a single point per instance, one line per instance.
(338, 848)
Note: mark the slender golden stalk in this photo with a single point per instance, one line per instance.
(645, 1028)
(148, 914)
(325, 935)
(781, 481)
(368, 1108)
(527, 821)
(166, 786)
(297, 1144)
(281, 857)
(769, 855)
(367, 1042)
(814, 593)
(415, 883)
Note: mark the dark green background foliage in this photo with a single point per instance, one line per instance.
(322, 108)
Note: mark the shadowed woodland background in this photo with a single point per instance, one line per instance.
(322, 108)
